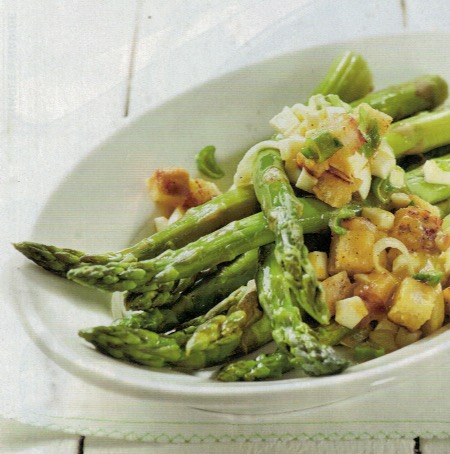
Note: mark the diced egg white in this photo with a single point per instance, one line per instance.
(350, 311)
(366, 179)
(382, 162)
(397, 177)
(434, 174)
(306, 181)
(363, 174)
(285, 122)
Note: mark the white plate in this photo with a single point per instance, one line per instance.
(103, 205)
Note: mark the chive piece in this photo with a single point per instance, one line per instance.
(368, 125)
(335, 220)
(206, 163)
(430, 277)
(321, 146)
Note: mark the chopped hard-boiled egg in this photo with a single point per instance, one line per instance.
(350, 311)
(382, 162)
(433, 173)
(383, 219)
(306, 181)
(285, 122)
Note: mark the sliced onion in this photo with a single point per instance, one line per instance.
(244, 172)
(118, 309)
(383, 244)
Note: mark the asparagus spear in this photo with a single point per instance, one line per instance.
(264, 366)
(242, 314)
(198, 300)
(142, 347)
(274, 365)
(420, 133)
(223, 245)
(205, 341)
(56, 260)
(406, 99)
(134, 344)
(349, 77)
(283, 209)
(220, 246)
(137, 345)
(197, 221)
(291, 334)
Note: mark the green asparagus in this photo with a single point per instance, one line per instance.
(221, 246)
(291, 334)
(56, 260)
(200, 298)
(218, 247)
(406, 99)
(349, 77)
(197, 221)
(274, 365)
(205, 341)
(420, 133)
(134, 344)
(282, 210)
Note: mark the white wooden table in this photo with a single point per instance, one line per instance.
(72, 71)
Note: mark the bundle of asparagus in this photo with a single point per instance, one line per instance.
(234, 273)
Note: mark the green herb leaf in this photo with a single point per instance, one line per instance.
(430, 277)
(335, 220)
(321, 146)
(206, 163)
(368, 125)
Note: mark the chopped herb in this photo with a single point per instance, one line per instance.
(368, 125)
(206, 163)
(321, 146)
(335, 220)
(431, 277)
